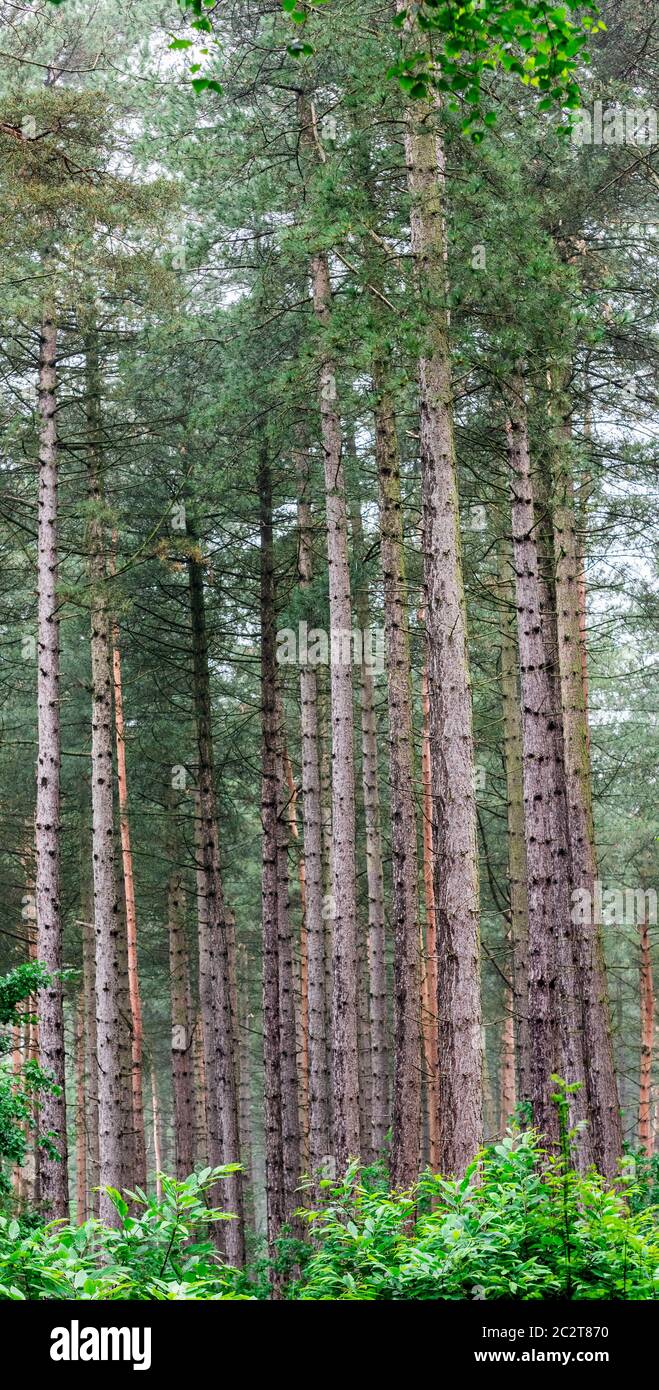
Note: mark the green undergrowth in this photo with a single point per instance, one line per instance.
(521, 1224)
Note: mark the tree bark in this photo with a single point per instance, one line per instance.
(451, 739)
(290, 1113)
(407, 927)
(274, 1152)
(131, 915)
(555, 1040)
(517, 871)
(647, 1042)
(214, 931)
(372, 982)
(81, 1114)
(182, 1055)
(429, 962)
(319, 1134)
(601, 1088)
(86, 925)
(113, 1140)
(345, 1062)
(53, 1174)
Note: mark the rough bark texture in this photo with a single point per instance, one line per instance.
(429, 961)
(345, 1062)
(407, 928)
(80, 1108)
(274, 1154)
(53, 1176)
(372, 982)
(517, 873)
(451, 739)
(113, 1140)
(555, 1038)
(207, 1063)
(139, 1176)
(603, 1103)
(319, 1134)
(182, 1055)
(290, 1114)
(218, 1025)
(86, 925)
(647, 1042)
(302, 981)
(508, 1094)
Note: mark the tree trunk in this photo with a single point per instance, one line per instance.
(319, 1141)
(552, 1007)
(601, 1088)
(113, 1140)
(517, 873)
(131, 917)
(407, 1020)
(53, 1176)
(345, 1062)
(86, 925)
(647, 1042)
(451, 739)
(81, 1114)
(216, 1004)
(274, 1153)
(372, 984)
(157, 1131)
(290, 1114)
(302, 988)
(429, 963)
(507, 1087)
(182, 1055)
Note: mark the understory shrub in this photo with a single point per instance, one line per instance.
(521, 1224)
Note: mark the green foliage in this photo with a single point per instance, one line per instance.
(521, 1224)
(540, 44)
(20, 1091)
(162, 1252)
(17, 986)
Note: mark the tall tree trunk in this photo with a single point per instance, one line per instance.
(647, 1042)
(290, 1114)
(86, 925)
(182, 1055)
(407, 1020)
(602, 1093)
(429, 964)
(245, 1097)
(451, 739)
(507, 1085)
(81, 1114)
(302, 989)
(372, 985)
(131, 914)
(517, 873)
(345, 1062)
(555, 1040)
(53, 1176)
(319, 1139)
(216, 1005)
(156, 1121)
(201, 1099)
(274, 1153)
(113, 1139)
